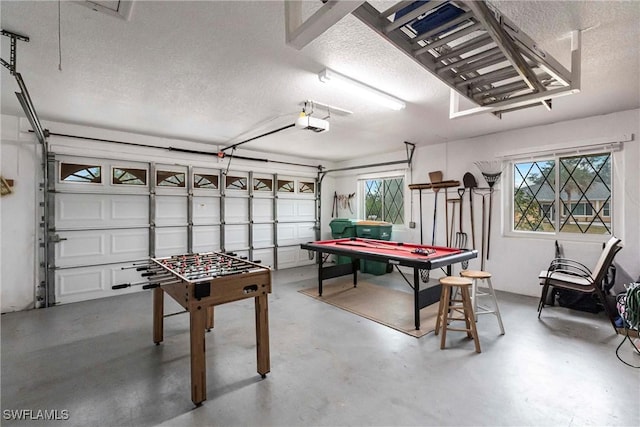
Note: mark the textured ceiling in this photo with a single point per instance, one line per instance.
(220, 72)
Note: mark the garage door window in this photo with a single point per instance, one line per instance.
(205, 181)
(73, 172)
(286, 186)
(128, 176)
(307, 187)
(170, 179)
(236, 182)
(263, 184)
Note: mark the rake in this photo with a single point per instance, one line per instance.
(491, 171)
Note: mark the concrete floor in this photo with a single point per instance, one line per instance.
(328, 367)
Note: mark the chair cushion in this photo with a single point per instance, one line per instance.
(566, 280)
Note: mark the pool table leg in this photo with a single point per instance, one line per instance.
(416, 297)
(354, 266)
(320, 262)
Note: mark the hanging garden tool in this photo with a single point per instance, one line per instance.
(491, 171)
(460, 241)
(435, 177)
(470, 182)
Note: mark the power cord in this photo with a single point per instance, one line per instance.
(630, 314)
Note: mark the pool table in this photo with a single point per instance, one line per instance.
(418, 257)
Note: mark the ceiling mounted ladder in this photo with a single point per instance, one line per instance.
(480, 54)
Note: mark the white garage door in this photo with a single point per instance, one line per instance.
(111, 213)
(102, 221)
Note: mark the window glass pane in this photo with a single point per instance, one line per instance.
(263, 184)
(373, 199)
(205, 181)
(583, 191)
(307, 187)
(71, 172)
(170, 179)
(534, 196)
(384, 200)
(286, 186)
(235, 182)
(128, 176)
(394, 201)
(585, 185)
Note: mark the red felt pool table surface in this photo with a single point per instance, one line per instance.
(409, 254)
(419, 257)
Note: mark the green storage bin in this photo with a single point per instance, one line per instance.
(341, 228)
(378, 230)
(373, 267)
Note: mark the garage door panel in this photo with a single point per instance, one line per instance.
(127, 244)
(101, 246)
(296, 210)
(171, 241)
(79, 246)
(236, 210)
(293, 257)
(80, 280)
(206, 239)
(290, 234)
(265, 256)
(130, 210)
(263, 235)
(306, 209)
(206, 210)
(236, 237)
(75, 210)
(101, 211)
(79, 284)
(171, 210)
(262, 210)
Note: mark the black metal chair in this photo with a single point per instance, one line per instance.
(565, 273)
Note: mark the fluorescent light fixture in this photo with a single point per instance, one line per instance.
(371, 93)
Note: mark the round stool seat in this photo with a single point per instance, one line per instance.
(455, 281)
(475, 274)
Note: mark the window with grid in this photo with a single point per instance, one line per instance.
(564, 194)
(384, 199)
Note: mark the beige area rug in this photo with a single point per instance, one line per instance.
(386, 306)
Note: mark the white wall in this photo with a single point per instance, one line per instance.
(516, 261)
(20, 161)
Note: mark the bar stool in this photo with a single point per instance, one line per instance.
(448, 307)
(475, 276)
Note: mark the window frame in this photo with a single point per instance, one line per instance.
(406, 194)
(507, 201)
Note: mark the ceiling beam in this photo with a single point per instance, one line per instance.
(300, 33)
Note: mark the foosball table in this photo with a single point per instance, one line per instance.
(198, 282)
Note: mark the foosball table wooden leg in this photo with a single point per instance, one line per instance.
(158, 315)
(198, 319)
(262, 334)
(209, 318)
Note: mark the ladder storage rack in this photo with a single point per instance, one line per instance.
(479, 53)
